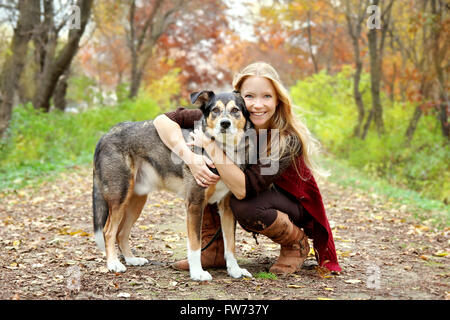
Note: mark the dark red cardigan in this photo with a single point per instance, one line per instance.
(308, 194)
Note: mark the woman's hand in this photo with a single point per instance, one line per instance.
(171, 135)
(199, 169)
(198, 138)
(199, 164)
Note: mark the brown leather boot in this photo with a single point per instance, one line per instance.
(212, 256)
(294, 244)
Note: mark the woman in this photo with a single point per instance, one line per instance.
(276, 204)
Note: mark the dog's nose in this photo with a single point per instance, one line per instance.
(225, 124)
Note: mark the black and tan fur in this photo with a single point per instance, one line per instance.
(130, 161)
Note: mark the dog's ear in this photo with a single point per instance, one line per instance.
(242, 101)
(200, 99)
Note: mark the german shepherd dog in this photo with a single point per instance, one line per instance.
(130, 161)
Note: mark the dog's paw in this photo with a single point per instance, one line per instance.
(116, 266)
(201, 275)
(237, 272)
(135, 261)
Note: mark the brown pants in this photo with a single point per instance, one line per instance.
(259, 212)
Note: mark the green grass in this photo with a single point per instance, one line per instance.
(40, 144)
(266, 275)
(422, 208)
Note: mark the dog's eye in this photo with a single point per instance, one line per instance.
(234, 110)
(215, 110)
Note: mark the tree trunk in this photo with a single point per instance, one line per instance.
(311, 53)
(376, 46)
(367, 125)
(141, 43)
(358, 97)
(439, 54)
(136, 78)
(413, 125)
(59, 96)
(14, 63)
(375, 78)
(59, 65)
(354, 21)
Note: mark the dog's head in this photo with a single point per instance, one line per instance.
(225, 114)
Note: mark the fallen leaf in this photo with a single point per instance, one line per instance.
(440, 254)
(124, 295)
(172, 238)
(37, 200)
(294, 286)
(81, 233)
(353, 281)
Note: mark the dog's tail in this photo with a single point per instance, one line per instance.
(100, 214)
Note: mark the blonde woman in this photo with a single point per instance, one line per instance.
(285, 205)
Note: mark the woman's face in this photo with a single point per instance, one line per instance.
(260, 99)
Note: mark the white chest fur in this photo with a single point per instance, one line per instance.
(219, 193)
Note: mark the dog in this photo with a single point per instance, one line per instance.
(130, 161)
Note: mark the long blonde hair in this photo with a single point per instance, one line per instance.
(294, 136)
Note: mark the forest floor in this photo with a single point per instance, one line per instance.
(47, 251)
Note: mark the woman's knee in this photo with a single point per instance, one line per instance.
(251, 215)
(240, 208)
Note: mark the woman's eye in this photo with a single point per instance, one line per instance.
(267, 96)
(248, 96)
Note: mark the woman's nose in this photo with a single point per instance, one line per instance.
(258, 103)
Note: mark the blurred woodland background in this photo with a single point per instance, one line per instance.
(369, 77)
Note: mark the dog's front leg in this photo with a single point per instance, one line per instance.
(194, 226)
(228, 223)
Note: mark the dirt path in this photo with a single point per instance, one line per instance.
(47, 251)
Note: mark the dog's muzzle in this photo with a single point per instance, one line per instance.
(224, 125)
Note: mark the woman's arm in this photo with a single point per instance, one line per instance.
(170, 133)
(231, 174)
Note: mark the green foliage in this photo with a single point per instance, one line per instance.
(41, 142)
(266, 275)
(80, 89)
(330, 112)
(417, 205)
